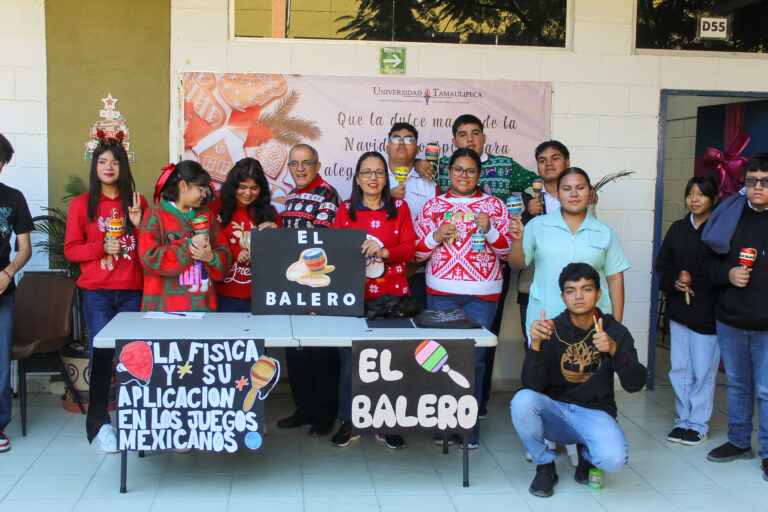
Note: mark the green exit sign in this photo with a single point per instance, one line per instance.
(392, 61)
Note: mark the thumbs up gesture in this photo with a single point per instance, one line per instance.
(602, 341)
(541, 330)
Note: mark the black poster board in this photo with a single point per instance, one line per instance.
(301, 271)
(198, 394)
(413, 385)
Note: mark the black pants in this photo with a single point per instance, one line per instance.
(418, 286)
(314, 376)
(490, 352)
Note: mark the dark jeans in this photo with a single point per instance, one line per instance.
(234, 305)
(495, 328)
(418, 285)
(99, 307)
(6, 339)
(314, 376)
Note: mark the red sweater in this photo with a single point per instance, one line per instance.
(454, 268)
(396, 235)
(84, 244)
(164, 253)
(238, 281)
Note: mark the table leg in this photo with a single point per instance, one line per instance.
(123, 470)
(445, 442)
(466, 460)
(141, 454)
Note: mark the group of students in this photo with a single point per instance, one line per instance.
(179, 255)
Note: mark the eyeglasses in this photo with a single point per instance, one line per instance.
(751, 182)
(397, 139)
(305, 164)
(203, 190)
(459, 171)
(378, 173)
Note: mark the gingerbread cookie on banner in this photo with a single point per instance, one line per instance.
(218, 152)
(273, 158)
(198, 90)
(243, 90)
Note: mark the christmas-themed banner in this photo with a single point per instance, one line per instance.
(232, 115)
(419, 384)
(192, 394)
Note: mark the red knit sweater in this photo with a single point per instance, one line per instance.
(238, 281)
(84, 244)
(396, 235)
(164, 253)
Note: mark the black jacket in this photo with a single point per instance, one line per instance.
(577, 373)
(682, 249)
(743, 308)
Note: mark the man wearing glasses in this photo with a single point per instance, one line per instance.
(313, 371)
(402, 146)
(742, 316)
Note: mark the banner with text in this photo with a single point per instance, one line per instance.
(228, 116)
(300, 271)
(192, 394)
(407, 385)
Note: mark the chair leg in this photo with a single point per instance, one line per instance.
(23, 396)
(68, 382)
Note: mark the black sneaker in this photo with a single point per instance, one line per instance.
(295, 420)
(482, 411)
(393, 441)
(692, 438)
(344, 436)
(544, 482)
(581, 475)
(728, 452)
(675, 435)
(5, 444)
(765, 469)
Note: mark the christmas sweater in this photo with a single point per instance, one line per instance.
(454, 268)
(499, 177)
(384, 277)
(84, 244)
(238, 281)
(173, 281)
(312, 206)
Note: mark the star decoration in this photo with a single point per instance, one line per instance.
(241, 383)
(109, 102)
(183, 370)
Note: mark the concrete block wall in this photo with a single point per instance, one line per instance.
(23, 114)
(605, 102)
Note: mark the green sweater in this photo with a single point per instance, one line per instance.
(500, 176)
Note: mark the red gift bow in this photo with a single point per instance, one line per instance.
(729, 167)
(167, 170)
(257, 133)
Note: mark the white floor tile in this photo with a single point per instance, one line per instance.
(407, 483)
(63, 464)
(52, 487)
(704, 499)
(633, 501)
(181, 485)
(341, 504)
(327, 484)
(276, 503)
(439, 502)
(266, 484)
(113, 505)
(190, 504)
(32, 505)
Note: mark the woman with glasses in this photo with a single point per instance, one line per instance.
(694, 352)
(244, 204)
(568, 235)
(389, 245)
(464, 233)
(181, 245)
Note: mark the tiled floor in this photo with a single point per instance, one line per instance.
(54, 469)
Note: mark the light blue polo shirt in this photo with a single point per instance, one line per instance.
(548, 242)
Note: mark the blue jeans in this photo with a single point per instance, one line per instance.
(537, 416)
(745, 356)
(694, 359)
(345, 384)
(100, 306)
(6, 340)
(482, 311)
(234, 305)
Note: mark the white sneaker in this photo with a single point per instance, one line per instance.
(107, 439)
(574, 459)
(528, 456)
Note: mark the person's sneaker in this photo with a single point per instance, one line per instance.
(393, 441)
(675, 435)
(727, 452)
(107, 439)
(545, 480)
(482, 411)
(692, 438)
(295, 420)
(581, 475)
(473, 442)
(344, 436)
(528, 457)
(574, 458)
(5, 444)
(438, 440)
(765, 469)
